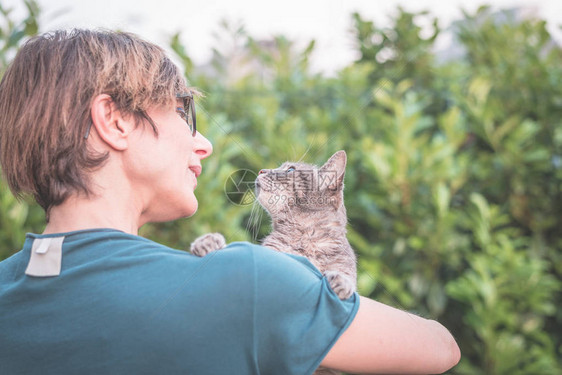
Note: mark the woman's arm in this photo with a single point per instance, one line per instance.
(385, 340)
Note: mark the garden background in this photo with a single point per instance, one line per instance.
(454, 176)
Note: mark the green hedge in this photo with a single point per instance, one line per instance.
(453, 185)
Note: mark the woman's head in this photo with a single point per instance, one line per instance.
(46, 96)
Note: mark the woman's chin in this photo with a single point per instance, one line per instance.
(192, 209)
(190, 206)
(180, 208)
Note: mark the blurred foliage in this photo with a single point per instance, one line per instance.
(453, 184)
(12, 32)
(16, 218)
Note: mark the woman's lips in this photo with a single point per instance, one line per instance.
(196, 170)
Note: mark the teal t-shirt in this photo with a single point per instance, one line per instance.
(123, 304)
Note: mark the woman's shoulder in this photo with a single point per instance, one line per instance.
(267, 260)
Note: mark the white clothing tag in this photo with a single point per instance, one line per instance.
(43, 246)
(46, 257)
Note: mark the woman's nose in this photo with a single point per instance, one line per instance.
(202, 146)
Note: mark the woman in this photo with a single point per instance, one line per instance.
(99, 127)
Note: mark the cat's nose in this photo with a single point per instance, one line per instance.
(263, 171)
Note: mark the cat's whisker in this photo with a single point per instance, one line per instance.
(254, 222)
(294, 152)
(307, 150)
(249, 222)
(259, 221)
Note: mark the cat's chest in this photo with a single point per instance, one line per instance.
(317, 250)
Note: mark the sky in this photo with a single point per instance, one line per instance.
(326, 21)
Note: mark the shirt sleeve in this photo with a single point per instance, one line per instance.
(297, 316)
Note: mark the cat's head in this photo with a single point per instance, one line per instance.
(302, 188)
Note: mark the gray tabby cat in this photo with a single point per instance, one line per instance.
(307, 210)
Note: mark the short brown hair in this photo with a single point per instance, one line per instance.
(45, 98)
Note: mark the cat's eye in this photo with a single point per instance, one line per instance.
(291, 169)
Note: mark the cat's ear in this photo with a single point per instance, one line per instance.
(333, 171)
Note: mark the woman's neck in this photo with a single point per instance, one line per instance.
(103, 211)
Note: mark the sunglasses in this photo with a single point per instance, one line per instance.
(188, 111)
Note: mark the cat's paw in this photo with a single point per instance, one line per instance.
(207, 243)
(341, 284)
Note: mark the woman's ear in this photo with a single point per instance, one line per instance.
(109, 124)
